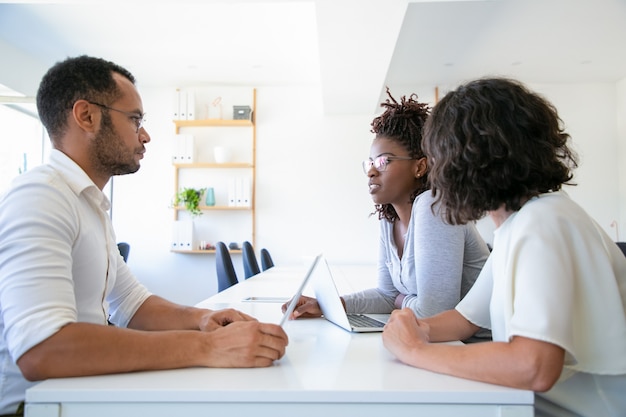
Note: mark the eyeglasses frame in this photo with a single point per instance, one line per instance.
(369, 163)
(137, 118)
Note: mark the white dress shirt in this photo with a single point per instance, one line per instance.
(59, 264)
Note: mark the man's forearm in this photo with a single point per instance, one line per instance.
(80, 349)
(157, 313)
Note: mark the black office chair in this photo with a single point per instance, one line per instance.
(226, 275)
(250, 264)
(622, 246)
(266, 260)
(124, 249)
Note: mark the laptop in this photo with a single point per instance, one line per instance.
(332, 308)
(296, 296)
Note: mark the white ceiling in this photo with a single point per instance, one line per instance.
(352, 49)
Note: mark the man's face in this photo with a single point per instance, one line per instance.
(119, 145)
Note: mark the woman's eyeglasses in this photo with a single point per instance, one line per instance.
(380, 163)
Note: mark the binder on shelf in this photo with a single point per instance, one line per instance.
(175, 242)
(182, 105)
(246, 197)
(175, 150)
(176, 105)
(239, 192)
(189, 150)
(182, 235)
(191, 105)
(232, 192)
(183, 149)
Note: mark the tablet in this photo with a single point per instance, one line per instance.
(296, 297)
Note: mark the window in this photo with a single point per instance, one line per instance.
(23, 139)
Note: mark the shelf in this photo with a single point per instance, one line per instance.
(214, 165)
(212, 123)
(218, 208)
(199, 251)
(221, 176)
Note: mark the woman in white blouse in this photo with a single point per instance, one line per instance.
(553, 291)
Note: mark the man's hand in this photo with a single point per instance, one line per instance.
(245, 344)
(213, 320)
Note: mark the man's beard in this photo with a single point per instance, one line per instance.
(109, 155)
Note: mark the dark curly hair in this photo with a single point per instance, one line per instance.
(492, 142)
(73, 79)
(402, 123)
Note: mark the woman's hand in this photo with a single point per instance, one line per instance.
(399, 300)
(306, 307)
(404, 334)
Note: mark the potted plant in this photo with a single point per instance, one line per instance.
(190, 198)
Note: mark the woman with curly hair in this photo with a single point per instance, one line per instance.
(553, 291)
(424, 264)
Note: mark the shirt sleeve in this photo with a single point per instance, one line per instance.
(475, 305)
(36, 289)
(126, 297)
(438, 253)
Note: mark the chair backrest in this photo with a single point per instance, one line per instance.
(124, 249)
(226, 275)
(622, 246)
(250, 264)
(266, 260)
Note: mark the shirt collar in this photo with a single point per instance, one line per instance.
(77, 179)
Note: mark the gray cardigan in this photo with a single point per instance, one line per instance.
(439, 265)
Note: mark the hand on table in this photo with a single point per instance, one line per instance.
(403, 333)
(245, 344)
(306, 307)
(216, 319)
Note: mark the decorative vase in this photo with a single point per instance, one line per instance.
(222, 154)
(210, 197)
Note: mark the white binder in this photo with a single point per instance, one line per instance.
(182, 108)
(232, 192)
(176, 105)
(246, 198)
(191, 105)
(189, 149)
(239, 192)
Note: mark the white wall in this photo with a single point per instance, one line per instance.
(620, 115)
(588, 112)
(311, 192)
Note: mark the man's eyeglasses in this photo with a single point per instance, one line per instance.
(380, 163)
(137, 118)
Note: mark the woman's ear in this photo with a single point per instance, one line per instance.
(84, 117)
(421, 167)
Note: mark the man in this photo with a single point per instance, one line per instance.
(62, 280)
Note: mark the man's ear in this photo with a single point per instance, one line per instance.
(421, 167)
(85, 117)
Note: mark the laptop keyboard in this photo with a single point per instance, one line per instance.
(359, 320)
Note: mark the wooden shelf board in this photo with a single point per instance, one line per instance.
(199, 251)
(214, 165)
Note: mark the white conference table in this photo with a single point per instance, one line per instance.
(326, 371)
